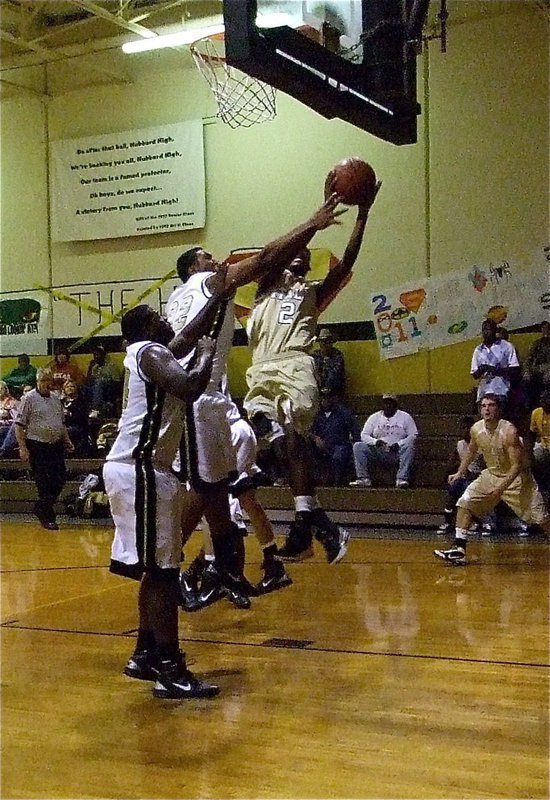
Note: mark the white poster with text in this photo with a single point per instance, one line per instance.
(131, 183)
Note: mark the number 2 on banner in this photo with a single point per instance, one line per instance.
(382, 303)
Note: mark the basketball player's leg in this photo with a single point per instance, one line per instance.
(243, 492)
(298, 404)
(476, 502)
(146, 505)
(526, 501)
(210, 459)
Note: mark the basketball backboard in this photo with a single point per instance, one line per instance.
(351, 59)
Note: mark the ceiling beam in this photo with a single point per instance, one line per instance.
(99, 11)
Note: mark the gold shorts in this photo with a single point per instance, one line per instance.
(285, 390)
(522, 496)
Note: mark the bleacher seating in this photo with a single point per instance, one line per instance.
(437, 417)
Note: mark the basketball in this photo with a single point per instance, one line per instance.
(355, 181)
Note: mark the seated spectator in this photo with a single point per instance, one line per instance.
(388, 437)
(24, 373)
(333, 432)
(537, 366)
(8, 411)
(63, 369)
(75, 409)
(330, 368)
(493, 362)
(103, 380)
(539, 440)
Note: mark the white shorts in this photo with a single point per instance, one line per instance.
(146, 505)
(245, 446)
(209, 456)
(522, 496)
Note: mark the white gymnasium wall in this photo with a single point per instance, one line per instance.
(487, 170)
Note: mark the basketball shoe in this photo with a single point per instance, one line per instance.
(143, 665)
(333, 538)
(454, 555)
(299, 542)
(212, 588)
(275, 577)
(175, 682)
(189, 589)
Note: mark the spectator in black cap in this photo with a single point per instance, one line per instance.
(330, 368)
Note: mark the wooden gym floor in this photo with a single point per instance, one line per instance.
(390, 675)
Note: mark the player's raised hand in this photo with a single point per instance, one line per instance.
(328, 213)
(364, 208)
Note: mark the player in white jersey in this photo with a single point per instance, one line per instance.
(507, 477)
(242, 493)
(282, 382)
(145, 496)
(209, 458)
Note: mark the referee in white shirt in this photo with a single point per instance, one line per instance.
(43, 439)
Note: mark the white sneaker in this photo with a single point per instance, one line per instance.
(401, 484)
(523, 529)
(364, 482)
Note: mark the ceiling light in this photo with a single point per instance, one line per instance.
(172, 39)
(191, 35)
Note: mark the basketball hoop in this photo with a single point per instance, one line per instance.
(242, 100)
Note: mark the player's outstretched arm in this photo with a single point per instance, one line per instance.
(276, 255)
(342, 269)
(162, 369)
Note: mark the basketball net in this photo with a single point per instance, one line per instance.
(242, 100)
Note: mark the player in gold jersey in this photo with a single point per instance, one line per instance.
(282, 382)
(507, 478)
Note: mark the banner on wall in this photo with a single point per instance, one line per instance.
(450, 308)
(24, 323)
(132, 183)
(78, 310)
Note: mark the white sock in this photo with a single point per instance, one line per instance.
(305, 502)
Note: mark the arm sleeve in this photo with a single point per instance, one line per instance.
(23, 412)
(475, 361)
(410, 429)
(512, 357)
(368, 430)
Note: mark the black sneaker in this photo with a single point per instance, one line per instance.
(239, 600)
(212, 588)
(176, 682)
(275, 577)
(298, 545)
(189, 589)
(455, 555)
(142, 665)
(336, 545)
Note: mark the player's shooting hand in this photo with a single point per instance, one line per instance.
(329, 184)
(364, 208)
(328, 214)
